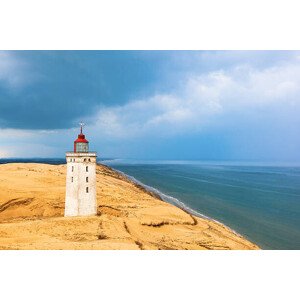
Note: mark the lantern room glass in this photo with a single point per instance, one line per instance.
(82, 147)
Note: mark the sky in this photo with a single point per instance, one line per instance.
(178, 105)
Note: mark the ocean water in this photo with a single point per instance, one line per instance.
(262, 203)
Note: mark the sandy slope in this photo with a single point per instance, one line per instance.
(32, 206)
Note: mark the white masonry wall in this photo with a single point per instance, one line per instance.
(79, 201)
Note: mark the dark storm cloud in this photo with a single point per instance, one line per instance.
(53, 89)
(152, 104)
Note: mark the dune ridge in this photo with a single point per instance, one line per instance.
(129, 216)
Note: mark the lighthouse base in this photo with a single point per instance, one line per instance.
(81, 198)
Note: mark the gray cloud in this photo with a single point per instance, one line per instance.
(53, 89)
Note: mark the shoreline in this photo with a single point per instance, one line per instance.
(130, 215)
(176, 202)
(156, 194)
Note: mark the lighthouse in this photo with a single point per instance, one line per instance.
(81, 198)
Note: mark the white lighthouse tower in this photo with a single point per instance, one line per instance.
(81, 199)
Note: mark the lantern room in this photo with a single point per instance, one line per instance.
(81, 144)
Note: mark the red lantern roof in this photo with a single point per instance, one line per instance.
(81, 138)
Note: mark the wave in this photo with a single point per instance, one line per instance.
(238, 186)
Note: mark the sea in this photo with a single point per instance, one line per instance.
(259, 201)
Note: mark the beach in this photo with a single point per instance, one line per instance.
(257, 200)
(129, 216)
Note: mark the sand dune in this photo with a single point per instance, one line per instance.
(32, 207)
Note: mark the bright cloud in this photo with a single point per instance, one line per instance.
(204, 100)
(211, 104)
(5, 153)
(17, 133)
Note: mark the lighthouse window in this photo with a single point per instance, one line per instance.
(87, 189)
(72, 168)
(89, 159)
(71, 179)
(87, 179)
(87, 168)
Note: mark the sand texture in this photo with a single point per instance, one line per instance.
(32, 206)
